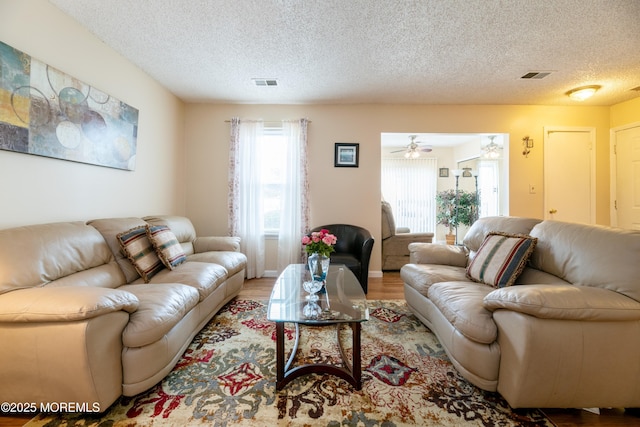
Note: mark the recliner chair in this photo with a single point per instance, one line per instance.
(353, 249)
(395, 244)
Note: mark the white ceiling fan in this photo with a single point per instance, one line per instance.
(414, 148)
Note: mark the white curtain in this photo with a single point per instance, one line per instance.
(409, 185)
(294, 217)
(246, 213)
(245, 195)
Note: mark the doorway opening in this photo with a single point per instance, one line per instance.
(409, 181)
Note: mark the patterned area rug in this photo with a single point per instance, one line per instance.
(227, 378)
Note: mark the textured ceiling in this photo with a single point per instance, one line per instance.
(375, 51)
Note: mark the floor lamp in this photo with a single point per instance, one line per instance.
(456, 173)
(477, 213)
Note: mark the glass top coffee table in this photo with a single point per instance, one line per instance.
(343, 303)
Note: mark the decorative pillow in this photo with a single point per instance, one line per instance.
(167, 246)
(139, 250)
(501, 258)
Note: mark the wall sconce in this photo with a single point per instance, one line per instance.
(527, 145)
(582, 93)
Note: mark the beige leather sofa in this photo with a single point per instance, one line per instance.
(79, 324)
(567, 335)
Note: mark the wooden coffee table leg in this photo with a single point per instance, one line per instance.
(351, 372)
(279, 355)
(357, 359)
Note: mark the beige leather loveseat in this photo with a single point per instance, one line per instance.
(395, 241)
(79, 324)
(566, 335)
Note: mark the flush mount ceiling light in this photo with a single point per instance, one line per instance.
(582, 93)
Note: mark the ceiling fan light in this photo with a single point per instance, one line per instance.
(582, 93)
(491, 150)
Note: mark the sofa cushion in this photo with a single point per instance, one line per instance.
(110, 228)
(388, 221)
(203, 277)
(43, 254)
(140, 251)
(233, 262)
(461, 303)
(589, 255)
(532, 276)
(160, 308)
(422, 276)
(501, 259)
(167, 246)
(506, 224)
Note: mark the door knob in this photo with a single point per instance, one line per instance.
(552, 211)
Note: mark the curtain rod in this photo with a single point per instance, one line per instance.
(266, 121)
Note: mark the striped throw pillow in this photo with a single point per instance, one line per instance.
(136, 246)
(501, 258)
(167, 246)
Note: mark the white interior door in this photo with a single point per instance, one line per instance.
(626, 177)
(569, 174)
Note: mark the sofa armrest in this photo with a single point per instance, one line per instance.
(415, 237)
(56, 304)
(216, 243)
(564, 302)
(429, 253)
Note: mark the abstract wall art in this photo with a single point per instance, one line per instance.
(46, 112)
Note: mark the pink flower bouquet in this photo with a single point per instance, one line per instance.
(320, 242)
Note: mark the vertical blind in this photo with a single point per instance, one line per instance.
(409, 185)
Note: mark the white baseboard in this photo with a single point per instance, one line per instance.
(377, 273)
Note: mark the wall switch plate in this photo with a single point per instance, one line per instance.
(532, 189)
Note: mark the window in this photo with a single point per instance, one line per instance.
(267, 183)
(273, 182)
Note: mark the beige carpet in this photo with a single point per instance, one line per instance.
(227, 378)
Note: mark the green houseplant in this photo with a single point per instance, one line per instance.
(449, 216)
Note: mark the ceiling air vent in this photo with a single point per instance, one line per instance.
(536, 75)
(265, 82)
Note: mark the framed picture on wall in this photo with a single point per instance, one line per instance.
(444, 172)
(46, 112)
(346, 155)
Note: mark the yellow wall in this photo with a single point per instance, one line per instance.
(625, 113)
(38, 189)
(352, 195)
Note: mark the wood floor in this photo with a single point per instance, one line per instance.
(391, 287)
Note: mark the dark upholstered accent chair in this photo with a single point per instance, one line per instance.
(395, 241)
(352, 249)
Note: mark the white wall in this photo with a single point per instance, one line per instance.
(37, 189)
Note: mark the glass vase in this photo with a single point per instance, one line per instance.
(318, 266)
